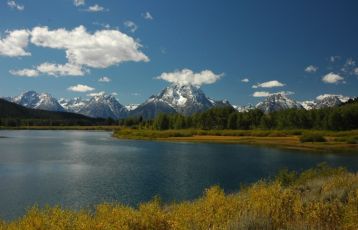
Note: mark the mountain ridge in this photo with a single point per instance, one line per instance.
(182, 99)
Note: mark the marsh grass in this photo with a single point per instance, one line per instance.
(319, 198)
(152, 134)
(312, 138)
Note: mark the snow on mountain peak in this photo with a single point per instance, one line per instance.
(34, 100)
(277, 102)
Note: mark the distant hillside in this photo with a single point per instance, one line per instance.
(13, 115)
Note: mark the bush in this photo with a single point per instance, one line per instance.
(312, 138)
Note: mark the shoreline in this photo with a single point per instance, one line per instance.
(274, 139)
(283, 139)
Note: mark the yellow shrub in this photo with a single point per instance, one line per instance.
(318, 199)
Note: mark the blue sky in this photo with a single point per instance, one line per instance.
(301, 48)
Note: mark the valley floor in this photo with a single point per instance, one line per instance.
(319, 198)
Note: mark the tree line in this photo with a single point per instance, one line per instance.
(344, 117)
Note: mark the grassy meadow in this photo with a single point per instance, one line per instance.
(316, 140)
(319, 198)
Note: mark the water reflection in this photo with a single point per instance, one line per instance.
(78, 169)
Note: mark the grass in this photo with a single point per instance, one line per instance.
(319, 198)
(310, 140)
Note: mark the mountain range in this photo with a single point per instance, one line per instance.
(182, 99)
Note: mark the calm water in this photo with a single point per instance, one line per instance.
(78, 168)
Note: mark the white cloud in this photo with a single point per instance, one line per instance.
(136, 94)
(340, 96)
(246, 80)
(13, 5)
(188, 77)
(114, 94)
(52, 70)
(266, 94)
(332, 78)
(147, 16)
(96, 94)
(356, 71)
(98, 50)
(61, 70)
(25, 73)
(131, 26)
(104, 25)
(96, 8)
(79, 2)
(349, 67)
(334, 58)
(80, 88)
(104, 79)
(268, 84)
(261, 94)
(14, 44)
(311, 69)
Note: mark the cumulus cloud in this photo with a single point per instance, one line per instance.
(79, 2)
(332, 78)
(340, 96)
(266, 94)
(188, 77)
(14, 44)
(80, 88)
(13, 5)
(356, 71)
(96, 8)
(98, 50)
(245, 80)
(51, 69)
(104, 79)
(114, 93)
(147, 16)
(131, 26)
(311, 69)
(61, 70)
(96, 94)
(25, 73)
(268, 84)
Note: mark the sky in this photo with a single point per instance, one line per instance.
(240, 50)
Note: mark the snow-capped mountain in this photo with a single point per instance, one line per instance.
(326, 102)
(183, 99)
(73, 105)
(152, 107)
(277, 102)
(33, 100)
(308, 105)
(103, 106)
(131, 107)
(244, 108)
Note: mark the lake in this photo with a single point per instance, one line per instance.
(78, 169)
